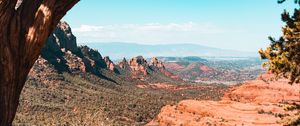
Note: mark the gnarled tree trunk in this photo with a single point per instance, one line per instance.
(24, 29)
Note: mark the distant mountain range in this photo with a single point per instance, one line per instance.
(118, 50)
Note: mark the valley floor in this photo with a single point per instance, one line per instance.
(88, 100)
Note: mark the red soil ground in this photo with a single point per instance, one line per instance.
(256, 102)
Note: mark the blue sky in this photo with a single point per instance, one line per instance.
(231, 24)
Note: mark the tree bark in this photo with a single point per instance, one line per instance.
(23, 33)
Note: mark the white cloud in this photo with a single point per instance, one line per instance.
(150, 32)
(88, 28)
(190, 26)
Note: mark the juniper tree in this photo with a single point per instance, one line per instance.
(284, 54)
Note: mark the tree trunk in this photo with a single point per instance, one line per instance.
(24, 30)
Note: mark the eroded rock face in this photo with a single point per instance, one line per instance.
(140, 68)
(62, 52)
(59, 42)
(155, 62)
(93, 56)
(61, 38)
(65, 38)
(124, 64)
(161, 67)
(253, 103)
(109, 63)
(74, 62)
(139, 65)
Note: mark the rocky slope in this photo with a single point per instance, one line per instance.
(71, 85)
(253, 103)
(62, 52)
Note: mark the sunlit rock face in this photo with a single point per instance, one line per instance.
(65, 38)
(61, 38)
(256, 102)
(110, 65)
(139, 65)
(155, 62)
(62, 52)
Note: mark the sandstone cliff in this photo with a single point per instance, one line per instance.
(62, 53)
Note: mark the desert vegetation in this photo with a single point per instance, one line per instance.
(86, 99)
(67, 84)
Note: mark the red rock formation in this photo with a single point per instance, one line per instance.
(74, 62)
(141, 69)
(154, 62)
(110, 65)
(65, 38)
(61, 51)
(124, 64)
(161, 67)
(139, 66)
(253, 103)
(92, 57)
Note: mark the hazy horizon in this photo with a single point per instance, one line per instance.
(119, 50)
(157, 44)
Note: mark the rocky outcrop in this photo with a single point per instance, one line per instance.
(161, 67)
(92, 57)
(124, 64)
(139, 66)
(110, 65)
(155, 62)
(65, 38)
(62, 52)
(253, 103)
(62, 43)
(142, 70)
(61, 38)
(74, 63)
